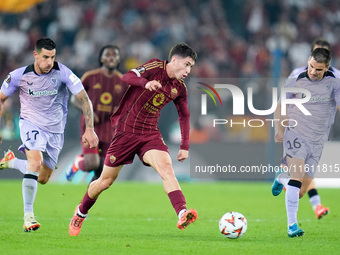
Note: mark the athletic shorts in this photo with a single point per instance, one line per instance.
(125, 146)
(101, 149)
(296, 147)
(34, 138)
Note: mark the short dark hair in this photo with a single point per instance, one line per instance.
(322, 43)
(110, 46)
(45, 43)
(183, 50)
(322, 55)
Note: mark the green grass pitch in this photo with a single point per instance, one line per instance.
(137, 218)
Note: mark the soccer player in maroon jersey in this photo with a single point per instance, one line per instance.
(153, 85)
(105, 89)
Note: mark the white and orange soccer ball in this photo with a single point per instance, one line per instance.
(233, 225)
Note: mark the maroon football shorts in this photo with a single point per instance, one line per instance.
(125, 146)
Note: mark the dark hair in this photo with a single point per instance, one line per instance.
(183, 50)
(45, 43)
(322, 55)
(322, 44)
(110, 46)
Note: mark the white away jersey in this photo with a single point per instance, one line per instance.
(325, 95)
(43, 98)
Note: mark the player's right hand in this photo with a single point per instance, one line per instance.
(90, 137)
(153, 85)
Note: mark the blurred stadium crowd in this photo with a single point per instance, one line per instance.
(233, 38)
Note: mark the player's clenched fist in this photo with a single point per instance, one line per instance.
(153, 85)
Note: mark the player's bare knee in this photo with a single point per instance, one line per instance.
(105, 183)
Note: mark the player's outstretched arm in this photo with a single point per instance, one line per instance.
(3, 98)
(89, 136)
(182, 155)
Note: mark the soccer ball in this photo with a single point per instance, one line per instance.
(233, 225)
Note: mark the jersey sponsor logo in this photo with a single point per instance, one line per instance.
(141, 69)
(150, 108)
(104, 108)
(74, 79)
(42, 93)
(320, 99)
(112, 159)
(158, 99)
(106, 98)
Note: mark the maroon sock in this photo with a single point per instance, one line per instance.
(86, 203)
(177, 200)
(81, 165)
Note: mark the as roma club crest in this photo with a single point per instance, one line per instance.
(112, 159)
(173, 93)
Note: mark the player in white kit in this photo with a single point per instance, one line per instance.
(314, 197)
(43, 91)
(304, 142)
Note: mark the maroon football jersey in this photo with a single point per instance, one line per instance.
(105, 93)
(139, 110)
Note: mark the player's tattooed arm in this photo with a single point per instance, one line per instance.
(89, 135)
(86, 106)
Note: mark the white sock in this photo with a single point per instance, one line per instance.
(292, 203)
(283, 178)
(315, 200)
(20, 164)
(29, 190)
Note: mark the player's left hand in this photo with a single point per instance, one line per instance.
(182, 155)
(90, 137)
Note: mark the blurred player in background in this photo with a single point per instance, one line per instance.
(153, 85)
(105, 90)
(43, 113)
(303, 144)
(314, 197)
